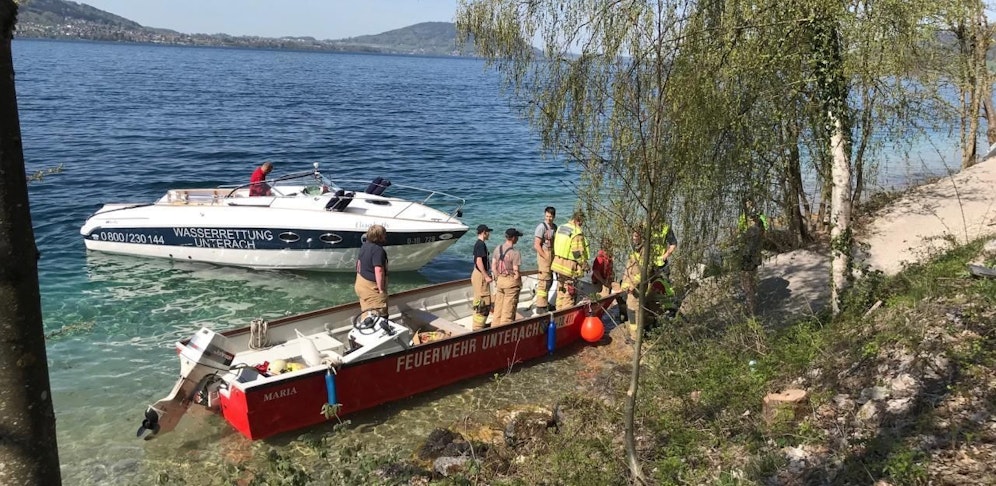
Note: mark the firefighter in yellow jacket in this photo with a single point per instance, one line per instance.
(570, 259)
(660, 293)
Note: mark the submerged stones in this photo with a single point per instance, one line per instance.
(526, 423)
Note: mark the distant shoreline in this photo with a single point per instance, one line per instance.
(248, 48)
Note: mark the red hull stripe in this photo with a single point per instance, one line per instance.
(285, 405)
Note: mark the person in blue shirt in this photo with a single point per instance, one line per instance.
(371, 272)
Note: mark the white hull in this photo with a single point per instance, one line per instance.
(293, 229)
(402, 258)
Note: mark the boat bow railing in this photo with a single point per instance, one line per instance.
(454, 204)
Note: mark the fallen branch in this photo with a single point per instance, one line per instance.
(877, 304)
(980, 271)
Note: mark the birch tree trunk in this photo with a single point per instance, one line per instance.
(840, 215)
(29, 454)
(833, 93)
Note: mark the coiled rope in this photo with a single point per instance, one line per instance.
(258, 337)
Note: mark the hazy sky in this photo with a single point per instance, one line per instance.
(321, 19)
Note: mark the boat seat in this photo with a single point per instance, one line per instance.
(416, 318)
(378, 186)
(194, 197)
(290, 350)
(373, 185)
(384, 184)
(339, 201)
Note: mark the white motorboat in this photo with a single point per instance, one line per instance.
(308, 223)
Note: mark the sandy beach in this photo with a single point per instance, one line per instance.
(932, 217)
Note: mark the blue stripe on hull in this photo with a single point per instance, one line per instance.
(259, 238)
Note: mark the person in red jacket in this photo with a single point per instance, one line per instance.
(601, 269)
(257, 183)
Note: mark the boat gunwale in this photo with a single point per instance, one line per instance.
(286, 320)
(603, 302)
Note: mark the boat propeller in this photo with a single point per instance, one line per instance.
(150, 423)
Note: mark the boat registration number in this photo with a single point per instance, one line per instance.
(420, 240)
(138, 238)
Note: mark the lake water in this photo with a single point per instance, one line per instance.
(126, 122)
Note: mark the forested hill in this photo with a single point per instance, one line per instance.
(54, 13)
(61, 19)
(427, 36)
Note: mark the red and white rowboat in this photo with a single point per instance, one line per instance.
(333, 361)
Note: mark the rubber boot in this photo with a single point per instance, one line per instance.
(538, 311)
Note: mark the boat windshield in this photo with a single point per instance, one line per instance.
(314, 182)
(311, 182)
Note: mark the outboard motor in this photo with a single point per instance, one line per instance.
(205, 355)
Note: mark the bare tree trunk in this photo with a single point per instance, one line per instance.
(990, 111)
(29, 454)
(867, 110)
(986, 33)
(632, 457)
(966, 138)
(982, 90)
(970, 151)
(795, 205)
(973, 42)
(840, 216)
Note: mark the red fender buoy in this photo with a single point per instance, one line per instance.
(592, 329)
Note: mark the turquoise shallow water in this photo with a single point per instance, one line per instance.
(126, 122)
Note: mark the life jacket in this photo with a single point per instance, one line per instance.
(659, 286)
(660, 246)
(743, 224)
(565, 244)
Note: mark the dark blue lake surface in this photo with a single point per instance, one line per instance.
(126, 122)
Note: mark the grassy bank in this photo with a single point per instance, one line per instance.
(903, 392)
